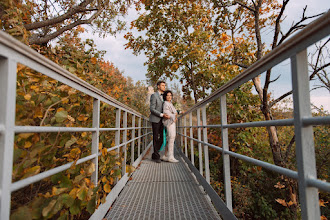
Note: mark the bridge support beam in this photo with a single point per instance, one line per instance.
(206, 148)
(192, 156)
(200, 151)
(225, 147)
(7, 122)
(95, 138)
(185, 133)
(305, 152)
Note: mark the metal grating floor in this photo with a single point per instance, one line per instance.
(162, 191)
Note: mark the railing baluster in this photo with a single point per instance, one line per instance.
(117, 136)
(191, 141)
(200, 152)
(185, 133)
(7, 119)
(132, 137)
(95, 138)
(225, 147)
(124, 149)
(145, 138)
(206, 148)
(305, 152)
(139, 140)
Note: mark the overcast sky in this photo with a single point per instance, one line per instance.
(133, 67)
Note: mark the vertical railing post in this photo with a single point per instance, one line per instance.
(7, 120)
(139, 135)
(191, 141)
(185, 138)
(145, 130)
(305, 152)
(117, 135)
(206, 148)
(225, 147)
(199, 131)
(181, 131)
(95, 138)
(133, 142)
(124, 148)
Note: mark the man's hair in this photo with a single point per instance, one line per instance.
(165, 94)
(159, 82)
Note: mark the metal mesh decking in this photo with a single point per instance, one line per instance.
(162, 191)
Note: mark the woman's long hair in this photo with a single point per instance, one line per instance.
(165, 94)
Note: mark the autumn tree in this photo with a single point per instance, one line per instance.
(179, 43)
(246, 20)
(38, 22)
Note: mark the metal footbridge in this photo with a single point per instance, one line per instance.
(165, 190)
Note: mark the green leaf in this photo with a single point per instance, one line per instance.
(22, 213)
(91, 205)
(66, 199)
(70, 142)
(47, 209)
(82, 193)
(61, 116)
(17, 153)
(31, 171)
(64, 216)
(74, 209)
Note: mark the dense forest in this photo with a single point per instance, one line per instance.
(202, 44)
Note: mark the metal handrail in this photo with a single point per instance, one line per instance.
(294, 48)
(13, 52)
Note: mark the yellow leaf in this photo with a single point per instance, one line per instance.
(104, 179)
(70, 118)
(118, 163)
(27, 144)
(65, 100)
(25, 135)
(27, 96)
(104, 152)
(323, 217)
(93, 60)
(73, 193)
(107, 188)
(91, 168)
(282, 202)
(60, 109)
(113, 153)
(111, 180)
(35, 88)
(100, 146)
(322, 203)
(82, 118)
(84, 134)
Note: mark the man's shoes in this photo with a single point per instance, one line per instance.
(172, 160)
(164, 158)
(157, 160)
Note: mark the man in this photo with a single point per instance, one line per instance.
(156, 110)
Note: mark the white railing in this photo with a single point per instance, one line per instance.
(13, 52)
(295, 49)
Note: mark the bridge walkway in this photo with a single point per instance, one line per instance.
(162, 191)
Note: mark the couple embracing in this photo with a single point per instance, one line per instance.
(163, 114)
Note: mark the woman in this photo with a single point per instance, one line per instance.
(170, 110)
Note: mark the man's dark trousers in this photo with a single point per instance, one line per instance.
(157, 131)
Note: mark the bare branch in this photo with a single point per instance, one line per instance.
(298, 25)
(274, 80)
(280, 98)
(288, 149)
(245, 6)
(40, 40)
(241, 65)
(277, 24)
(74, 10)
